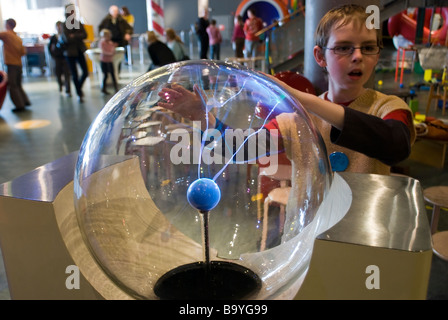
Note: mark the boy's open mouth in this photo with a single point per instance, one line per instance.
(355, 73)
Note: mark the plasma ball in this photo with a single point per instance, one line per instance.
(203, 194)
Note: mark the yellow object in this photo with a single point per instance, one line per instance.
(380, 83)
(258, 196)
(438, 91)
(90, 37)
(32, 124)
(427, 75)
(420, 117)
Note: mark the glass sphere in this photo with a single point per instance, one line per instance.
(267, 174)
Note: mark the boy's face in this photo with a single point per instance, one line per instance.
(352, 71)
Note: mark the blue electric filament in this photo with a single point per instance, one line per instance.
(203, 194)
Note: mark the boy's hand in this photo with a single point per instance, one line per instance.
(190, 105)
(182, 101)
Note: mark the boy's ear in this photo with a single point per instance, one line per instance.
(319, 56)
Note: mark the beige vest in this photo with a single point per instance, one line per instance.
(370, 102)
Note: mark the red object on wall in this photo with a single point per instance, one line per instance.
(407, 26)
(297, 81)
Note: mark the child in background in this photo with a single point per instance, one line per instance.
(215, 39)
(107, 56)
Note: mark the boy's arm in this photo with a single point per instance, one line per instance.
(328, 111)
(192, 105)
(387, 140)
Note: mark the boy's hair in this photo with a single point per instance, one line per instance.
(341, 16)
(11, 23)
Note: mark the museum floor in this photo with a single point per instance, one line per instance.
(55, 125)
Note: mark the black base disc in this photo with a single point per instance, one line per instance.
(218, 280)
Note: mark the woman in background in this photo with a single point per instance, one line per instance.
(127, 16)
(159, 52)
(238, 37)
(174, 42)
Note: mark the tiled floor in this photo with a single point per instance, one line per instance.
(57, 125)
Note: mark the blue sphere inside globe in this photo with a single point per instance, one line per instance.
(203, 194)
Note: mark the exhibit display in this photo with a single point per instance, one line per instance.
(146, 229)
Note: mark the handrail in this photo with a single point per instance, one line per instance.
(276, 23)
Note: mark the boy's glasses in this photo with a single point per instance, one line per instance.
(348, 50)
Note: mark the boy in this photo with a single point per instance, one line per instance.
(13, 50)
(373, 130)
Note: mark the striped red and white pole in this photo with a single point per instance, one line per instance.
(156, 17)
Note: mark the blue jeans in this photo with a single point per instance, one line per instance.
(215, 51)
(250, 49)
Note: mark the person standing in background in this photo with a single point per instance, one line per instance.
(72, 40)
(13, 50)
(120, 29)
(62, 69)
(127, 16)
(252, 25)
(215, 40)
(238, 37)
(201, 32)
(130, 20)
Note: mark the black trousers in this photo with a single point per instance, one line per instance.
(203, 47)
(18, 96)
(62, 72)
(72, 63)
(108, 68)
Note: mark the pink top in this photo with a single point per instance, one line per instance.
(214, 35)
(107, 50)
(238, 32)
